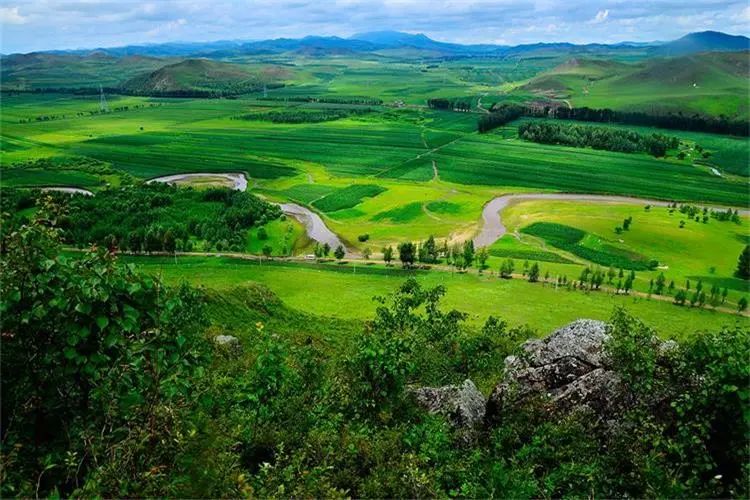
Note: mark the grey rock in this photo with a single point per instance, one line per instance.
(567, 371)
(463, 405)
(229, 342)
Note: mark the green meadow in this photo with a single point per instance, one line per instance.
(346, 291)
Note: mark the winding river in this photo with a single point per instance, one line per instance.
(493, 228)
(314, 225)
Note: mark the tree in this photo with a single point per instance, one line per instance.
(262, 233)
(506, 269)
(406, 253)
(366, 253)
(660, 282)
(428, 251)
(388, 255)
(169, 243)
(339, 253)
(326, 249)
(741, 304)
(468, 253)
(743, 264)
(153, 240)
(534, 273)
(611, 274)
(680, 297)
(482, 256)
(267, 251)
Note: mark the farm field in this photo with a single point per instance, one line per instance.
(346, 292)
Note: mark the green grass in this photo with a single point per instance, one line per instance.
(347, 197)
(346, 292)
(405, 213)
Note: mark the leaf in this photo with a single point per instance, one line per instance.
(69, 353)
(111, 339)
(83, 308)
(102, 322)
(180, 340)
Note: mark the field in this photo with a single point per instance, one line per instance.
(347, 291)
(403, 171)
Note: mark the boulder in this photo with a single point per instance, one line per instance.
(228, 342)
(463, 405)
(566, 371)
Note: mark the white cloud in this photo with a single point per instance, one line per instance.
(601, 16)
(10, 15)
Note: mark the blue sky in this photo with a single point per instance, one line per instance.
(30, 25)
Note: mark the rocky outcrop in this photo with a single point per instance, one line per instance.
(229, 343)
(566, 371)
(463, 405)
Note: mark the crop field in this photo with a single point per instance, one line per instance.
(698, 251)
(346, 291)
(403, 172)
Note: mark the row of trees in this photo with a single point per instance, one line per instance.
(453, 104)
(605, 138)
(674, 121)
(499, 116)
(366, 101)
(305, 116)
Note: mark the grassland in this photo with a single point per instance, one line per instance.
(347, 291)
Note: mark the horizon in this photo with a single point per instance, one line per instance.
(47, 25)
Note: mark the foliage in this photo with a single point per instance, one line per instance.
(607, 138)
(100, 366)
(151, 217)
(307, 116)
(743, 264)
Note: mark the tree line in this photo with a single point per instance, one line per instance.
(305, 116)
(605, 138)
(453, 104)
(674, 121)
(366, 101)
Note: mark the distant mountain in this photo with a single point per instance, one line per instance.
(425, 46)
(704, 41)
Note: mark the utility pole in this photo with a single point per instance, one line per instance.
(103, 107)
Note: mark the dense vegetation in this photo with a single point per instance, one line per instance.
(499, 116)
(112, 388)
(674, 121)
(306, 116)
(454, 104)
(609, 139)
(150, 217)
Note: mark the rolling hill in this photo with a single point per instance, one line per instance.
(691, 83)
(201, 74)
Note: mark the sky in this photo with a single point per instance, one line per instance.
(31, 25)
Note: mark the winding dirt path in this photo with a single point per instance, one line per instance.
(493, 228)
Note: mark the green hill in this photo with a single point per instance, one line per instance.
(708, 83)
(194, 74)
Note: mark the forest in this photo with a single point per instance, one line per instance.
(609, 139)
(148, 217)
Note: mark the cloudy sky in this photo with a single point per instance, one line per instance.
(30, 25)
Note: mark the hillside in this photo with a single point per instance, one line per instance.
(199, 74)
(692, 84)
(705, 41)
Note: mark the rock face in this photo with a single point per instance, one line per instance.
(567, 371)
(463, 405)
(230, 343)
